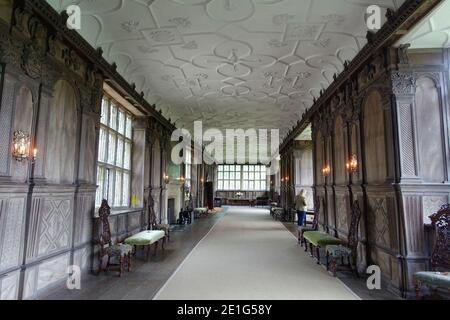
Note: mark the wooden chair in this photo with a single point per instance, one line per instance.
(349, 252)
(439, 278)
(121, 252)
(313, 227)
(152, 220)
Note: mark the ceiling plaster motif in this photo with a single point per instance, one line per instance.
(232, 63)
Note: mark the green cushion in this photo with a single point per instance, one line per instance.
(119, 250)
(321, 239)
(145, 238)
(338, 251)
(437, 279)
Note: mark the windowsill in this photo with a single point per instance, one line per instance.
(119, 211)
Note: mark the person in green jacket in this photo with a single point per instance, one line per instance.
(301, 207)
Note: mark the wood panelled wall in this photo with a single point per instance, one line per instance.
(47, 209)
(393, 114)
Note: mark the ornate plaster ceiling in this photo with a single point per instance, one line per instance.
(231, 63)
(433, 31)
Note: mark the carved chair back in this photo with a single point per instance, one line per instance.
(441, 252)
(151, 212)
(354, 226)
(315, 223)
(104, 212)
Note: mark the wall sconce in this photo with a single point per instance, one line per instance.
(352, 164)
(22, 147)
(282, 179)
(326, 171)
(166, 179)
(286, 179)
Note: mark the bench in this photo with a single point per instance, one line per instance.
(146, 239)
(316, 239)
(315, 223)
(200, 212)
(277, 213)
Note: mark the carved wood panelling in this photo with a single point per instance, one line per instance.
(378, 221)
(9, 286)
(12, 226)
(55, 225)
(415, 237)
(408, 150)
(6, 112)
(83, 218)
(430, 129)
(432, 204)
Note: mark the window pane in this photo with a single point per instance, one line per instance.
(118, 191)
(127, 156)
(220, 186)
(102, 146)
(251, 185)
(226, 185)
(105, 109)
(245, 175)
(128, 133)
(110, 186)
(245, 168)
(112, 149)
(113, 118)
(238, 185)
(251, 176)
(119, 160)
(257, 185)
(126, 190)
(245, 185)
(226, 175)
(122, 120)
(227, 168)
(220, 175)
(231, 185)
(263, 185)
(100, 182)
(232, 175)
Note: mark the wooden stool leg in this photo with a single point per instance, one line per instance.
(147, 254)
(311, 249)
(121, 262)
(129, 262)
(328, 261)
(417, 288)
(318, 254)
(333, 266)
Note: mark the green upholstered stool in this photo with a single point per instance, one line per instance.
(147, 239)
(120, 250)
(338, 251)
(434, 279)
(199, 212)
(321, 239)
(277, 213)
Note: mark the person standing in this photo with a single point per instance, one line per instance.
(300, 207)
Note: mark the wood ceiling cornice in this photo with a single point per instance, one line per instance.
(58, 22)
(406, 17)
